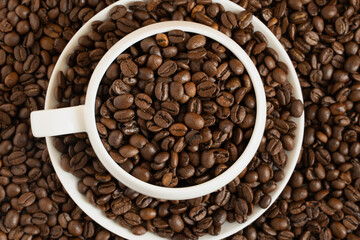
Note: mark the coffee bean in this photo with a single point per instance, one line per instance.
(178, 129)
(78, 161)
(328, 12)
(123, 101)
(141, 173)
(210, 157)
(143, 101)
(194, 121)
(26, 199)
(236, 66)
(207, 89)
(265, 201)
(169, 180)
(124, 115)
(163, 119)
(311, 38)
(176, 36)
(297, 108)
(352, 63)
(176, 223)
(11, 219)
(245, 18)
(338, 230)
(162, 91)
(121, 205)
(197, 41)
(225, 99)
(138, 230)
(31, 64)
(274, 146)
(167, 69)
(279, 75)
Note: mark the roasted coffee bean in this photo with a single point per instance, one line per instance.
(178, 129)
(197, 41)
(163, 119)
(124, 101)
(167, 69)
(176, 36)
(26, 199)
(121, 205)
(207, 89)
(245, 19)
(79, 161)
(194, 121)
(143, 101)
(162, 91)
(210, 157)
(124, 115)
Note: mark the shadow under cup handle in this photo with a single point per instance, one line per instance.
(55, 122)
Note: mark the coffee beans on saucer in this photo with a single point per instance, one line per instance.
(233, 202)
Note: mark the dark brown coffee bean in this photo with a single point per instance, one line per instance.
(121, 205)
(197, 54)
(124, 115)
(194, 121)
(210, 157)
(176, 91)
(162, 91)
(352, 63)
(311, 38)
(143, 101)
(11, 219)
(338, 230)
(141, 173)
(279, 75)
(197, 41)
(78, 161)
(26, 199)
(163, 119)
(123, 101)
(178, 129)
(167, 69)
(176, 36)
(207, 89)
(245, 18)
(265, 201)
(31, 64)
(176, 223)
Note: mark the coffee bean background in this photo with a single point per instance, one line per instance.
(320, 202)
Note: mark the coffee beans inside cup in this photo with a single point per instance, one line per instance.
(170, 108)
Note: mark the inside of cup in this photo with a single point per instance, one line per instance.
(176, 109)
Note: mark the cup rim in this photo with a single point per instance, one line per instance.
(69, 181)
(176, 193)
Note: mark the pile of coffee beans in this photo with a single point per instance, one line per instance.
(169, 119)
(131, 74)
(320, 202)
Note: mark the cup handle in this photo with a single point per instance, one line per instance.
(55, 122)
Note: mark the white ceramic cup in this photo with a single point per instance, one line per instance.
(70, 181)
(81, 118)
